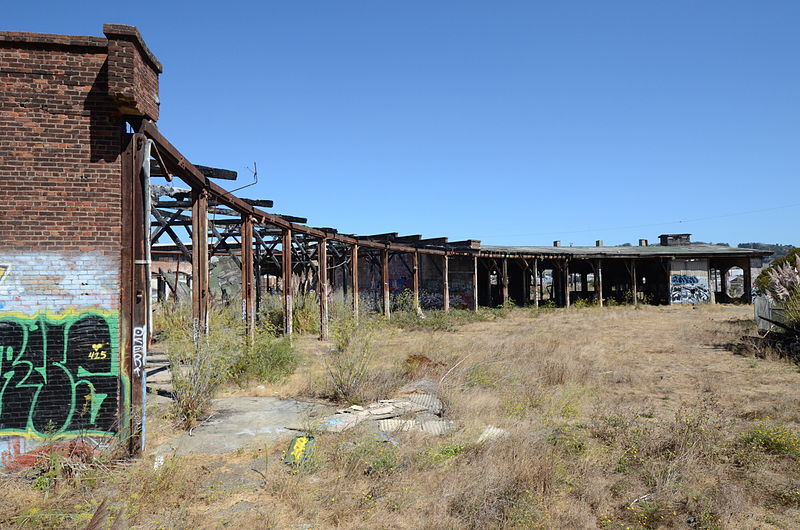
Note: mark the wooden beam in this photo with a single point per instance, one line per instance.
(322, 287)
(536, 282)
(200, 261)
(286, 266)
(634, 283)
(385, 277)
(445, 283)
(248, 277)
(354, 278)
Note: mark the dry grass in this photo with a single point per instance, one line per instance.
(616, 418)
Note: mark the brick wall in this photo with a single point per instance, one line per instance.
(61, 135)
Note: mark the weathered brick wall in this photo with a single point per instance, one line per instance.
(61, 137)
(133, 79)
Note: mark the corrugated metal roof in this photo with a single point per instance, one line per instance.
(694, 250)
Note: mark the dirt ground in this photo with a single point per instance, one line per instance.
(616, 417)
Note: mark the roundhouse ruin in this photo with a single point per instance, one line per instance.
(103, 215)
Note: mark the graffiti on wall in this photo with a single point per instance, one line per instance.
(59, 374)
(687, 289)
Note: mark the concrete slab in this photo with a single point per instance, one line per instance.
(240, 422)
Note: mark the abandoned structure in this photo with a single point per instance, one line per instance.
(103, 214)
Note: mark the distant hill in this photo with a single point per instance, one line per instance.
(778, 251)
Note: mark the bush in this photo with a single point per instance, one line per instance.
(269, 359)
(772, 438)
(349, 362)
(199, 364)
(441, 321)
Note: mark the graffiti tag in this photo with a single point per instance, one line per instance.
(688, 290)
(59, 374)
(139, 352)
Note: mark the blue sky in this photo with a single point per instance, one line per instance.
(512, 122)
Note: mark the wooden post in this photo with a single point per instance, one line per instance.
(287, 281)
(634, 283)
(322, 287)
(354, 278)
(566, 283)
(445, 283)
(415, 279)
(248, 277)
(504, 280)
(475, 283)
(598, 282)
(200, 261)
(385, 275)
(536, 282)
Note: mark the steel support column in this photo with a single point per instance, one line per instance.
(287, 281)
(445, 283)
(475, 283)
(200, 260)
(385, 278)
(598, 282)
(504, 279)
(354, 278)
(248, 277)
(322, 287)
(748, 281)
(415, 278)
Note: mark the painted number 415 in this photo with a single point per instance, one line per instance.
(97, 352)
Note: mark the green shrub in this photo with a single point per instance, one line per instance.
(773, 439)
(349, 363)
(440, 320)
(199, 364)
(269, 359)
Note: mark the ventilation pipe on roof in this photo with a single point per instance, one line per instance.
(598, 243)
(643, 243)
(556, 243)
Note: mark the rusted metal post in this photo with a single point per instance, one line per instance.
(475, 283)
(598, 282)
(445, 283)
(504, 279)
(354, 278)
(535, 282)
(385, 277)
(200, 260)
(322, 287)
(287, 281)
(415, 278)
(133, 299)
(248, 277)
